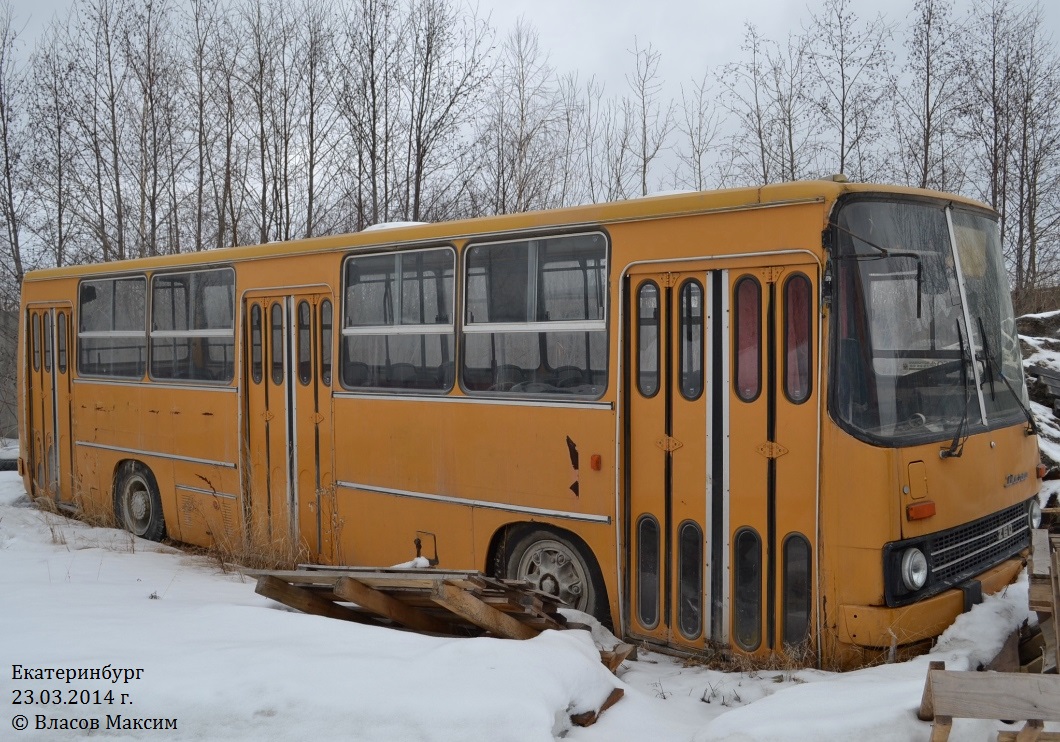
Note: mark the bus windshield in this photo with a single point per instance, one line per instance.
(926, 345)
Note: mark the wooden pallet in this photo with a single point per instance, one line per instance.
(451, 603)
(1034, 699)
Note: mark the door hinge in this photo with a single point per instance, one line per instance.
(668, 443)
(669, 280)
(772, 450)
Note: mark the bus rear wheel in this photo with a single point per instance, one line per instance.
(555, 564)
(137, 504)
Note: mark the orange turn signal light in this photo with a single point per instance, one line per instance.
(1042, 471)
(920, 510)
(595, 462)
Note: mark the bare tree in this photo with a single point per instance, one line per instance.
(443, 81)
(752, 146)
(925, 100)
(53, 151)
(12, 144)
(700, 128)
(652, 119)
(368, 99)
(851, 59)
(520, 141)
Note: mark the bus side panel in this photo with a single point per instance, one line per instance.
(153, 425)
(453, 456)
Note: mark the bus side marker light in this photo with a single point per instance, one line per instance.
(595, 462)
(920, 510)
(1042, 470)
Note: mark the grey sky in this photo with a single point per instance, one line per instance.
(593, 37)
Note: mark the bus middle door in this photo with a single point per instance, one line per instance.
(288, 422)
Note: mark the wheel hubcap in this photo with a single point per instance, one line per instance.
(137, 508)
(553, 568)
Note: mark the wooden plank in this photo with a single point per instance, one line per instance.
(927, 706)
(588, 718)
(613, 658)
(1049, 632)
(940, 729)
(1040, 552)
(1043, 737)
(1041, 595)
(472, 609)
(295, 597)
(1054, 579)
(994, 695)
(1008, 659)
(1031, 731)
(357, 592)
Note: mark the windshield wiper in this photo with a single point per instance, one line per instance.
(885, 253)
(993, 366)
(957, 445)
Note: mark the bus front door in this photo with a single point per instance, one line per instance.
(721, 457)
(51, 459)
(288, 423)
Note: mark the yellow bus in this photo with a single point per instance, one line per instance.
(747, 420)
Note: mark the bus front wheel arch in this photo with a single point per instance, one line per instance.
(137, 503)
(556, 562)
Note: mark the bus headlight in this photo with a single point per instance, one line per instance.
(914, 569)
(1034, 513)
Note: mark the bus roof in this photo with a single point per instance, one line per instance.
(644, 208)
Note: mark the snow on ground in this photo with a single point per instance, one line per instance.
(228, 664)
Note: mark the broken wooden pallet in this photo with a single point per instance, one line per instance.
(459, 603)
(1027, 697)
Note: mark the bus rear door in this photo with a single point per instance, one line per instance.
(51, 460)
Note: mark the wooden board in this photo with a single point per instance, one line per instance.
(305, 601)
(357, 592)
(1040, 553)
(995, 695)
(475, 611)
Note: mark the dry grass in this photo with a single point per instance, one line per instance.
(723, 659)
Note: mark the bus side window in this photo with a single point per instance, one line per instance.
(325, 342)
(797, 331)
(36, 342)
(305, 344)
(276, 343)
(648, 339)
(255, 343)
(60, 327)
(691, 340)
(47, 341)
(747, 325)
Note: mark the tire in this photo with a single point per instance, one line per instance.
(556, 564)
(137, 504)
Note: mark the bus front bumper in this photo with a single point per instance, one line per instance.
(881, 627)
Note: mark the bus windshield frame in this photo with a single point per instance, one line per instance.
(924, 345)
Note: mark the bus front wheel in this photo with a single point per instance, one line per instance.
(137, 504)
(555, 564)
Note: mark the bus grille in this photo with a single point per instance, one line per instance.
(974, 547)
